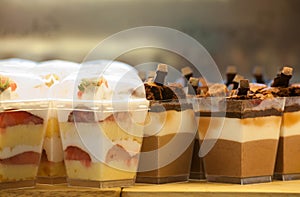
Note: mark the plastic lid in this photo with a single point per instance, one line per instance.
(101, 81)
(19, 86)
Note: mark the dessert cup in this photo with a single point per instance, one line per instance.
(288, 158)
(52, 168)
(244, 150)
(22, 127)
(168, 142)
(101, 124)
(22, 133)
(98, 149)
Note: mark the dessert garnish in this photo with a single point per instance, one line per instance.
(187, 72)
(243, 87)
(283, 78)
(6, 83)
(258, 75)
(51, 79)
(193, 85)
(86, 83)
(230, 74)
(161, 73)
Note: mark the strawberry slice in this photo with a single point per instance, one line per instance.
(117, 153)
(75, 153)
(22, 159)
(13, 118)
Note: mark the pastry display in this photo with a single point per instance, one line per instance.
(102, 127)
(22, 127)
(170, 128)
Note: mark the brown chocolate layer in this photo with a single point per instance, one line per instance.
(241, 160)
(180, 166)
(241, 115)
(292, 108)
(288, 157)
(156, 106)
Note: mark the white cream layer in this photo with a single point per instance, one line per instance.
(89, 137)
(240, 130)
(53, 148)
(170, 122)
(290, 124)
(8, 152)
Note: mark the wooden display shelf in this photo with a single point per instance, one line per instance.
(204, 189)
(190, 189)
(61, 190)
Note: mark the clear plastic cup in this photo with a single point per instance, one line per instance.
(244, 150)
(101, 112)
(22, 124)
(288, 158)
(52, 168)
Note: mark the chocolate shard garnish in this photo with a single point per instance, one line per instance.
(236, 81)
(187, 72)
(161, 73)
(230, 74)
(258, 75)
(283, 79)
(193, 85)
(243, 87)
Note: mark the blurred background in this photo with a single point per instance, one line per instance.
(244, 33)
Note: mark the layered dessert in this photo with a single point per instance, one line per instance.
(52, 168)
(21, 134)
(170, 129)
(244, 145)
(102, 129)
(288, 159)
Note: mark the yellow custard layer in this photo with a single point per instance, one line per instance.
(22, 135)
(97, 171)
(17, 172)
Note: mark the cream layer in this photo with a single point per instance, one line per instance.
(170, 122)
(8, 152)
(90, 138)
(240, 130)
(290, 124)
(98, 171)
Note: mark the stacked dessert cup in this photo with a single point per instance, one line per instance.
(52, 168)
(22, 125)
(101, 115)
(241, 132)
(193, 90)
(288, 158)
(170, 129)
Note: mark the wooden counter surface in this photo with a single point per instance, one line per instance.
(61, 190)
(204, 189)
(193, 188)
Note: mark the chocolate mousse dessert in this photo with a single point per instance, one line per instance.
(245, 145)
(288, 159)
(169, 133)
